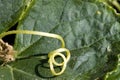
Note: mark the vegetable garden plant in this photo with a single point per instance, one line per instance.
(59, 40)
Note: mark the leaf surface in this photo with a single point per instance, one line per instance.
(89, 29)
(10, 12)
(114, 75)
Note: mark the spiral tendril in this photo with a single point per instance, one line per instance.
(52, 61)
(52, 54)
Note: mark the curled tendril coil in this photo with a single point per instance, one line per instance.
(52, 61)
(52, 54)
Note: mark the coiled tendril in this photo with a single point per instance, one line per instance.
(52, 54)
(52, 61)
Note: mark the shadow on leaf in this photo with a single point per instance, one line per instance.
(43, 70)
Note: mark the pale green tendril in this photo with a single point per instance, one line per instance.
(52, 61)
(52, 54)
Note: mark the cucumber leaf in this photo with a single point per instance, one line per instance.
(10, 12)
(90, 30)
(114, 75)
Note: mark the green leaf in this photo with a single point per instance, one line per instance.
(10, 12)
(114, 75)
(6, 73)
(89, 29)
(113, 5)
